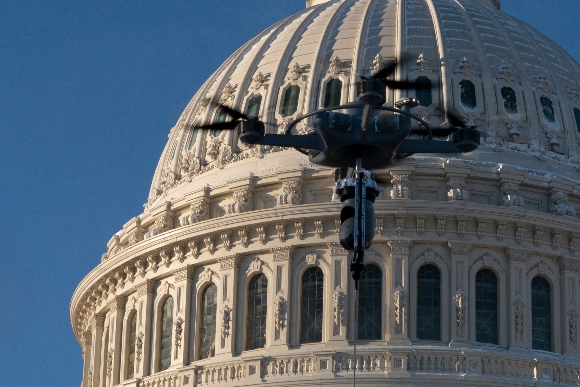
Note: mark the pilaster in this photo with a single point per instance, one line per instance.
(145, 298)
(227, 304)
(398, 291)
(97, 327)
(117, 310)
(569, 275)
(459, 291)
(181, 321)
(339, 278)
(517, 289)
(86, 338)
(282, 260)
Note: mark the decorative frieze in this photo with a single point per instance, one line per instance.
(282, 253)
(229, 262)
(279, 313)
(198, 211)
(338, 299)
(399, 245)
(400, 189)
(190, 166)
(459, 248)
(398, 304)
(292, 193)
(456, 189)
(510, 196)
(336, 248)
(519, 316)
(559, 205)
(228, 93)
(573, 245)
(226, 313)
(178, 334)
(242, 202)
(460, 309)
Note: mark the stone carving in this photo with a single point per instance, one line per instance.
(292, 193)
(400, 188)
(130, 273)
(519, 315)
(336, 66)
(295, 72)
(281, 230)
(168, 180)
(193, 248)
(400, 227)
(206, 275)
(202, 105)
(190, 165)
(422, 63)
(112, 285)
(153, 264)
(210, 244)
(282, 253)
(243, 234)
(378, 225)
(457, 191)
(318, 228)
(165, 258)
(481, 228)
(573, 246)
(242, 202)
(136, 237)
(198, 211)
(440, 226)
(279, 313)
(519, 233)
(120, 278)
(378, 63)
(511, 196)
(460, 309)
(229, 262)
(513, 129)
(337, 226)
(178, 333)
(559, 205)
(255, 265)
(538, 233)
(505, 72)
(140, 266)
(500, 231)
(261, 230)
(139, 345)
(226, 319)
(338, 300)
(260, 81)
(90, 377)
(110, 361)
(299, 230)
(464, 67)
(226, 240)
(162, 224)
(213, 146)
(556, 238)
(399, 299)
(228, 93)
(178, 252)
(572, 325)
(460, 227)
(420, 225)
(311, 259)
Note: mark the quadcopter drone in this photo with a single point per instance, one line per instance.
(363, 141)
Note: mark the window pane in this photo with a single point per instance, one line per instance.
(208, 322)
(254, 105)
(486, 307)
(577, 117)
(333, 93)
(311, 307)
(290, 104)
(429, 303)
(423, 91)
(510, 101)
(467, 94)
(192, 136)
(220, 117)
(257, 308)
(548, 109)
(541, 324)
(131, 354)
(369, 316)
(166, 329)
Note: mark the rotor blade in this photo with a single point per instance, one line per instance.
(386, 72)
(236, 115)
(437, 132)
(220, 125)
(403, 85)
(455, 120)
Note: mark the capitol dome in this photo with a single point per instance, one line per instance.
(234, 273)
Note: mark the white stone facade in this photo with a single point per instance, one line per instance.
(220, 213)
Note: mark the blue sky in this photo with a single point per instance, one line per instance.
(88, 93)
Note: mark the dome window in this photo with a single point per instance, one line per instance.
(548, 109)
(192, 136)
(257, 311)
(577, 117)
(311, 306)
(486, 307)
(333, 93)
(290, 104)
(221, 116)
(166, 329)
(541, 322)
(429, 303)
(208, 322)
(254, 105)
(131, 349)
(467, 94)
(510, 101)
(423, 92)
(369, 312)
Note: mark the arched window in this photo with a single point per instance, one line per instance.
(541, 311)
(192, 135)
(467, 94)
(510, 101)
(311, 306)
(423, 91)
(333, 93)
(429, 303)
(254, 105)
(548, 109)
(221, 116)
(166, 329)
(208, 322)
(577, 117)
(290, 103)
(369, 311)
(131, 345)
(257, 308)
(486, 307)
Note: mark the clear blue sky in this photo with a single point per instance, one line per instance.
(88, 93)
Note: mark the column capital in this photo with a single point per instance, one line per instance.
(459, 248)
(146, 287)
(400, 245)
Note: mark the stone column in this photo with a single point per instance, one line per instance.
(143, 339)
(569, 273)
(397, 292)
(117, 310)
(227, 304)
(181, 320)
(86, 340)
(282, 260)
(517, 292)
(459, 292)
(97, 326)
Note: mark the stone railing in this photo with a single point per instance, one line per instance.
(374, 362)
(221, 373)
(438, 363)
(288, 366)
(165, 380)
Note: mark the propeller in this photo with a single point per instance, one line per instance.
(455, 123)
(237, 117)
(389, 70)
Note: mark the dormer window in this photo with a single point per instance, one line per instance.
(423, 92)
(467, 94)
(333, 93)
(548, 109)
(510, 101)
